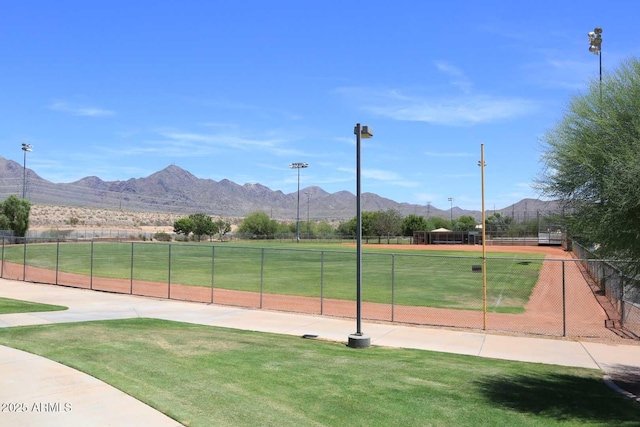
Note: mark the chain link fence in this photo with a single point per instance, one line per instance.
(530, 295)
(614, 285)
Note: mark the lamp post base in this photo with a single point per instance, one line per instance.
(359, 341)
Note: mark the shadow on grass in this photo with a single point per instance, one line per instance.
(561, 397)
(625, 377)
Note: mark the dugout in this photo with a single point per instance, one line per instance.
(442, 236)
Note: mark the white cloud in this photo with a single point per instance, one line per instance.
(451, 111)
(77, 110)
(380, 175)
(436, 154)
(201, 140)
(460, 80)
(455, 112)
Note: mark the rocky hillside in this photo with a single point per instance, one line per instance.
(175, 191)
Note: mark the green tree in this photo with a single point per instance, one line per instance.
(497, 223)
(307, 228)
(202, 225)
(14, 215)
(183, 226)
(386, 223)
(413, 223)
(286, 229)
(323, 228)
(350, 227)
(436, 222)
(347, 228)
(367, 223)
(592, 163)
(465, 223)
(258, 224)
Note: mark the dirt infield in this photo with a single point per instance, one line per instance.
(547, 313)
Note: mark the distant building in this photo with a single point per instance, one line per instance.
(442, 236)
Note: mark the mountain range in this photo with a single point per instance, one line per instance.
(176, 190)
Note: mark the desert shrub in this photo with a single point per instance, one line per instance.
(162, 237)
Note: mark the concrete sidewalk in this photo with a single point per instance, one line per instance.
(28, 378)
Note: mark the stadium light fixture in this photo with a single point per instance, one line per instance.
(298, 165)
(26, 148)
(450, 199)
(595, 47)
(359, 339)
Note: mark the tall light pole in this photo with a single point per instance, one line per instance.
(359, 340)
(25, 147)
(595, 47)
(450, 199)
(298, 165)
(308, 195)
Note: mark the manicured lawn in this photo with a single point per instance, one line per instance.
(412, 278)
(8, 305)
(203, 376)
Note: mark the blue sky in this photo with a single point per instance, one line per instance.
(240, 89)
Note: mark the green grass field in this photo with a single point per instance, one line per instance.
(8, 305)
(203, 376)
(418, 278)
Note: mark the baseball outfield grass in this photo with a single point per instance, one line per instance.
(413, 278)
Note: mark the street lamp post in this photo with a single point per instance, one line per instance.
(595, 47)
(451, 212)
(25, 147)
(298, 165)
(358, 339)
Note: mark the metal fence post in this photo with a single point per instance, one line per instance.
(622, 304)
(321, 282)
(564, 303)
(91, 267)
(213, 260)
(169, 274)
(2, 266)
(24, 261)
(131, 274)
(57, 258)
(261, 274)
(393, 286)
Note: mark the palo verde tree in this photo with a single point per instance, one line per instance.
(14, 215)
(592, 163)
